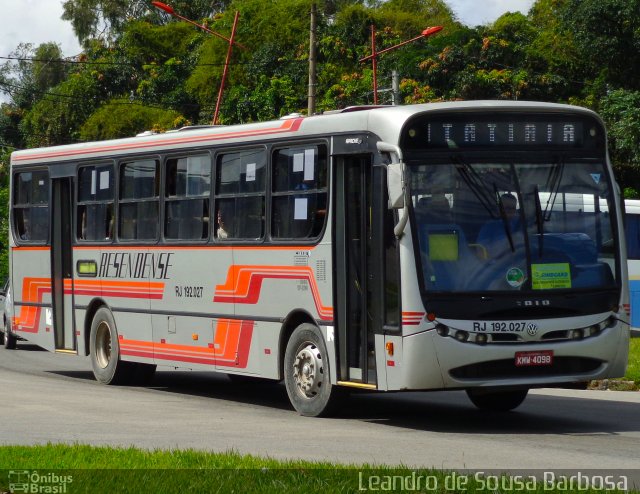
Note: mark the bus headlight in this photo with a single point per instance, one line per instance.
(595, 329)
(442, 330)
(462, 335)
(577, 334)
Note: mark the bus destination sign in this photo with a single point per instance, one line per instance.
(468, 132)
(487, 133)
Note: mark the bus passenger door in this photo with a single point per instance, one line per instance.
(61, 317)
(354, 282)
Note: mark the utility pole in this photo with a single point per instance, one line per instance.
(169, 10)
(374, 53)
(311, 106)
(395, 87)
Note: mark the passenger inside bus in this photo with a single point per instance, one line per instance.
(223, 227)
(25, 233)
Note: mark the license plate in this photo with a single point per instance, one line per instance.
(528, 359)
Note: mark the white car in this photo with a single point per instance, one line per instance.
(6, 310)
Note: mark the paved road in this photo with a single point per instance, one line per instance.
(54, 398)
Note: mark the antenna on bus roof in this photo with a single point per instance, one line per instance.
(291, 116)
(350, 109)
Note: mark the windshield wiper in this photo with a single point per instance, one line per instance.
(505, 219)
(475, 183)
(539, 220)
(553, 185)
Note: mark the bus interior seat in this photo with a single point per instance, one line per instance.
(433, 210)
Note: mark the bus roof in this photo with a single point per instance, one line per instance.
(385, 122)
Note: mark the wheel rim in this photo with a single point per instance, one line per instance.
(103, 345)
(308, 373)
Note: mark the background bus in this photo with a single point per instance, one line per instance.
(423, 247)
(632, 233)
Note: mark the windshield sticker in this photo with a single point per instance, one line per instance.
(550, 276)
(515, 277)
(596, 177)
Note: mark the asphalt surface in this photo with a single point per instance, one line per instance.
(54, 398)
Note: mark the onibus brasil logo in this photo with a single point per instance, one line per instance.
(33, 482)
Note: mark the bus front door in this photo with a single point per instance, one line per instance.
(62, 265)
(355, 283)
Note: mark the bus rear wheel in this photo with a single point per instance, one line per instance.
(307, 376)
(105, 350)
(497, 401)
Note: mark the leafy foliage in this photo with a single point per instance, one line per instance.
(120, 118)
(142, 68)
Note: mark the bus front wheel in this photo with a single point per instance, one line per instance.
(10, 340)
(306, 373)
(105, 350)
(497, 401)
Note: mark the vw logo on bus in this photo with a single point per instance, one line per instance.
(532, 329)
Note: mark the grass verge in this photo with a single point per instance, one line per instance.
(631, 380)
(71, 469)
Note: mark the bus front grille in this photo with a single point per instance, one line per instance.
(506, 369)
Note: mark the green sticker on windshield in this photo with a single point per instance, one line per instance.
(550, 276)
(515, 277)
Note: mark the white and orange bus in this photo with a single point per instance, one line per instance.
(421, 247)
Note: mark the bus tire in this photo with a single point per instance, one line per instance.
(10, 340)
(105, 350)
(306, 373)
(497, 401)
(2, 335)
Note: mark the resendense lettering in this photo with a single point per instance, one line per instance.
(140, 265)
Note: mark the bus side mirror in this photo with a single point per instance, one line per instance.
(395, 175)
(395, 185)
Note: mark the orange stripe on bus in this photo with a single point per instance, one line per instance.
(38, 248)
(34, 289)
(244, 284)
(171, 248)
(231, 346)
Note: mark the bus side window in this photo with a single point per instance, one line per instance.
(31, 206)
(187, 189)
(240, 195)
(139, 200)
(299, 192)
(95, 203)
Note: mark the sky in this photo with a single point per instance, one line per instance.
(38, 21)
(477, 12)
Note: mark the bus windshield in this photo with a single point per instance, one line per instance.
(531, 224)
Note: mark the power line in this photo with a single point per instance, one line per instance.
(161, 106)
(132, 64)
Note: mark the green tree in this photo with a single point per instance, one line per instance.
(163, 58)
(274, 48)
(28, 77)
(607, 37)
(106, 19)
(621, 111)
(48, 67)
(4, 214)
(57, 117)
(120, 118)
